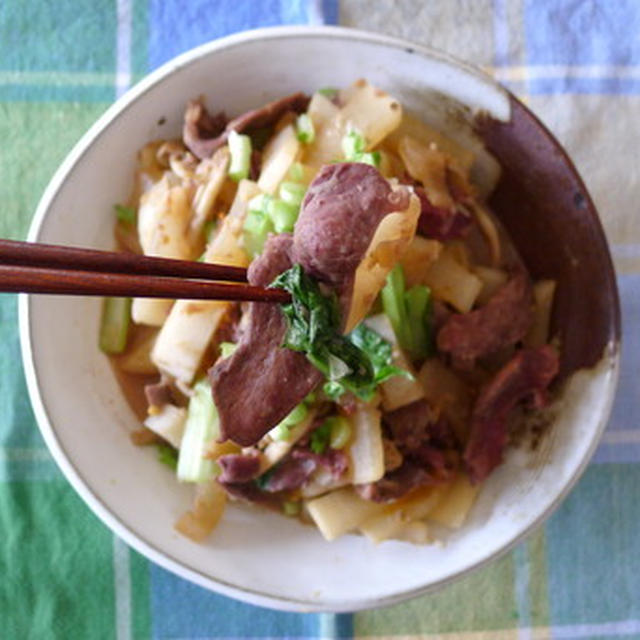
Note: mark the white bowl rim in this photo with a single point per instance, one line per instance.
(161, 558)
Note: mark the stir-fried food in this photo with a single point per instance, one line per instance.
(382, 396)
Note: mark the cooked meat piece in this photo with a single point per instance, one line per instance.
(526, 375)
(261, 382)
(340, 214)
(238, 467)
(439, 223)
(202, 142)
(250, 492)
(158, 394)
(201, 129)
(396, 484)
(500, 323)
(409, 425)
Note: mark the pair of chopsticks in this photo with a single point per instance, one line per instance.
(29, 267)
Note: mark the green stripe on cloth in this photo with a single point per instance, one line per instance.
(140, 596)
(35, 139)
(51, 538)
(483, 600)
(65, 35)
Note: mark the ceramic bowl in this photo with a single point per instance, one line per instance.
(261, 557)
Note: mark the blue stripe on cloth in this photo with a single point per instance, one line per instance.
(183, 610)
(578, 32)
(593, 550)
(500, 33)
(176, 26)
(621, 440)
(626, 409)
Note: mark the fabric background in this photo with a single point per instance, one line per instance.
(576, 63)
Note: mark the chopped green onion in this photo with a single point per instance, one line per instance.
(393, 303)
(282, 430)
(291, 508)
(201, 428)
(297, 415)
(340, 431)
(296, 172)
(257, 224)
(418, 302)
(240, 149)
(283, 215)
(328, 92)
(372, 158)
(125, 214)
(114, 324)
(320, 438)
(292, 193)
(167, 455)
(409, 313)
(353, 144)
(304, 128)
(227, 348)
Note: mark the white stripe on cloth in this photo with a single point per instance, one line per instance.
(521, 589)
(122, 588)
(315, 12)
(123, 47)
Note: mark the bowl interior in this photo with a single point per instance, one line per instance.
(258, 556)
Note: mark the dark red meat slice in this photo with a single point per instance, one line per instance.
(340, 213)
(261, 382)
(158, 394)
(526, 375)
(500, 323)
(202, 139)
(439, 223)
(238, 467)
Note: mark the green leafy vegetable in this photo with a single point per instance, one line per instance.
(320, 438)
(409, 312)
(356, 363)
(168, 455)
(125, 214)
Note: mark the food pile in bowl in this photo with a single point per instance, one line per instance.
(415, 347)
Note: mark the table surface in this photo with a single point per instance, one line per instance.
(576, 63)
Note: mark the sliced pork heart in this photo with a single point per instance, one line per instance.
(500, 323)
(526, 375)
(261, 382)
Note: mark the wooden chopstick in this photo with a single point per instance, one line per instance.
(36, 254)
(74, 271)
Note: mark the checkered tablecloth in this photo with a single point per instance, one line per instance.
(576, 63)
